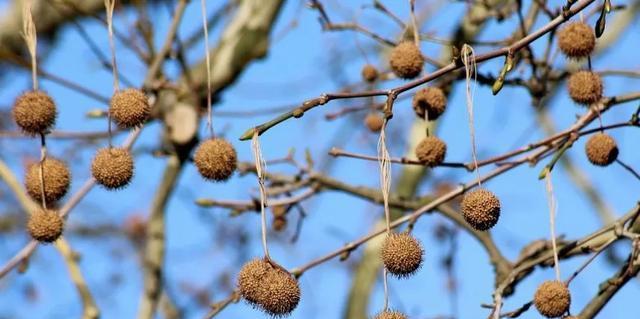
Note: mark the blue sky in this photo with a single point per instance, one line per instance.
(303, 63)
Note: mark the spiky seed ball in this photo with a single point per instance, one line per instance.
(216, 159)
(34, 112)
(268, 287)
(431, 151)
(577, 40)
(373, 122)
(585, 87)
(369, 73)
(430, 100)
(406, 60)
(481, 209)
(57, 179)
(129, 108)
(552, 299)
(250, 282)
(601, 149)
(390, 314)
(112, 167)
(401, 254)
(45, 226)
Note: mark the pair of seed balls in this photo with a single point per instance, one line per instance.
(552, 299)
(268, 287)
(113, 167)
(576, 41)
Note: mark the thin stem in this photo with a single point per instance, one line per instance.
(552, 224)
(414, 23)
(109, 6)
(43, 157)
(260, 170)
(385, 276)
(156, 64)
(31, 38)
(468, 59)
(628, 168)
(205, 29)
(591, 259)
(385, 173)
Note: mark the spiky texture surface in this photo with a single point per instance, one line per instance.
(268, 287)
(34, 112)
(585, 87)
(431, 151)
(406, 60)
(369, 73)
(373, 122)
(401, 254)
(430, 101)
(112, 167)
(216, 159)
(390, 314)
(129, 108)
(481, 209)
(552, 299)
(577, 40)
(601, 149)
(45, 226)
(57, 179)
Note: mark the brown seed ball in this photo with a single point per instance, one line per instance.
(576, 40)
(430, 100)
(57, 179)
(45, 226)
(112, 167)
(369, 73)
(129, 108)
(34, 112)
(431, 151)
(406, 60)
(216, 159)
(401, 254)
(552, 299)
(390, 314)
(481, 209)
(373, 122)
(585, 87)
(601, 149)
(268, 287)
